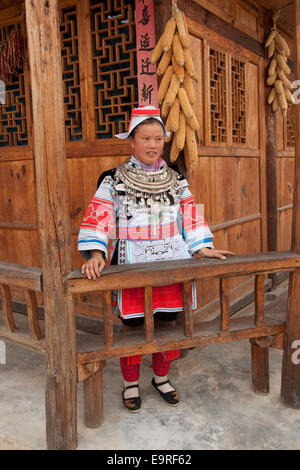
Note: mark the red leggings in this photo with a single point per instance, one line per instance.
(130, 366)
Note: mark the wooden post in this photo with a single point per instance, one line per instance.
(93, 398)
(53, 220)
(271, 174)
(260, 368)
(290, 380)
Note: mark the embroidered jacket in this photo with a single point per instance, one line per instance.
(176, 231)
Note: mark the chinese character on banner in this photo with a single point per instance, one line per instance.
(145, 43)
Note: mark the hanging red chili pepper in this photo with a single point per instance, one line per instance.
(12, 53)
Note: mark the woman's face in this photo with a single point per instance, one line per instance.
(148, 142)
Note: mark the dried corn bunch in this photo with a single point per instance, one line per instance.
(278, 53)
(176, 93)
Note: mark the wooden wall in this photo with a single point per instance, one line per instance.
(230, 179)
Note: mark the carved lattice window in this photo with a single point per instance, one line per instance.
(218, 119)
(227, 98)
(13, 119)
(114, 65)
(70, 74)
(238, 104)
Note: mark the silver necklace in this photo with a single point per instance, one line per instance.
(150, 187)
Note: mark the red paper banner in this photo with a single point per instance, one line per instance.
(145, 43)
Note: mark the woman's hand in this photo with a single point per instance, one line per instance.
(212, 253)
(93, 267)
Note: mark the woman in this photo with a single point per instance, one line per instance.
(153, 214)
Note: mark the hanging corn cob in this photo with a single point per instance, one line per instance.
(176, 93)
(278, 53)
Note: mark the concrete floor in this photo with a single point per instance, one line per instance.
(218, 409)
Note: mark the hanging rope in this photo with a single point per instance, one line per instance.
(174, 7)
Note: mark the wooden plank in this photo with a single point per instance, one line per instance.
(17, 196)
(290, 383)
(18, 275)
(108, 320)
(131, 349)
(160, 273)
(149, 318)
(285, 208)
(259, 299)
(17, 226)
(237, 13)
(23, 341)
(228, 152)
(218, 25)
(233, 222)
(102, 148)
(224, 304)
(263, 158)
(7, 308)
(43, 39)
(11, 11)
(15, 154)
(271, 178)
(32, 312)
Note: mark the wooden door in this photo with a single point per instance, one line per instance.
(230, 176)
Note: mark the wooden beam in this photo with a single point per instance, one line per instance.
(160, 273)
(290, 384)
(213, 22)
(43, 40)
(131, 344)
(17, 275)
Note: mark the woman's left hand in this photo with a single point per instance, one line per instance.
(212, 253)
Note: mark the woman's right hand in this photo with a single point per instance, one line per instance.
(93, 267)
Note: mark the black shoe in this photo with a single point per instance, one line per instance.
(132, 404)
(171, 398)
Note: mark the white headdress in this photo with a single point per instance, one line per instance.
(139, 115)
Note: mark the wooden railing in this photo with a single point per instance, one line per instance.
(262, 331)
(30, 280)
